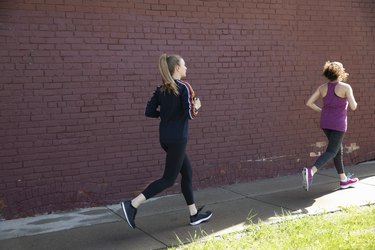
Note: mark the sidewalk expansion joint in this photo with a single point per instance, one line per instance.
(140, 229)
(252, 197)
(234, 192)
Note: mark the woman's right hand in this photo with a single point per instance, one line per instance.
(350, 97)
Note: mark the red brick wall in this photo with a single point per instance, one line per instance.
(76, 75)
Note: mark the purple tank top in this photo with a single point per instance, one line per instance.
(334, 111)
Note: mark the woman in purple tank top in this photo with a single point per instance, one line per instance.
(336, 95)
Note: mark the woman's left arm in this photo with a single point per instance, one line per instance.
(188, 103)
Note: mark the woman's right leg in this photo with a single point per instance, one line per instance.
(335, 139)
(173, 164)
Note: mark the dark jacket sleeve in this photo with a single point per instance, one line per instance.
(152, 106)
(188, 103)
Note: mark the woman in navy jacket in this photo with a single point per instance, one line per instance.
(174, 102)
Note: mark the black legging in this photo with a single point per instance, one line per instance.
(176, 162)
(333, 151)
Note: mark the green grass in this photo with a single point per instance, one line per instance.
(351, 228)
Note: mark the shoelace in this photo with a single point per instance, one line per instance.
(198, 210)
(350, 175)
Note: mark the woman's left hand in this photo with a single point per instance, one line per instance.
(197, 103)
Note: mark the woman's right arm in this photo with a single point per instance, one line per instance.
(351, 99)
(313, 98)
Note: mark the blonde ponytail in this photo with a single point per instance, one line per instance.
(166, 67)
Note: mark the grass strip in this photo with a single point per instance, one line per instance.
(350, 228)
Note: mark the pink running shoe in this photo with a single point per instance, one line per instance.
(350, 182)
(307, 178)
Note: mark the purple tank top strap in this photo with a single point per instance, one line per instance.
(331, 88)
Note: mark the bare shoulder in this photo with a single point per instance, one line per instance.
(344, 86)
(323, 89)
(323, 86)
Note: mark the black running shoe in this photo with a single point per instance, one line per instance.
(200, 217)
(129, 212)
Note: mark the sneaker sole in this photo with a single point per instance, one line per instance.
(348, 186)
(201, 220)
(126, 216)
(305, 178)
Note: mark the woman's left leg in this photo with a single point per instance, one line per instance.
(333, 150)
(196, 215)
(187, 185)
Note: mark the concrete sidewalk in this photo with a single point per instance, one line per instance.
(163, 222)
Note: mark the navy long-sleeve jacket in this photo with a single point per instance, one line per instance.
(174, 111)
